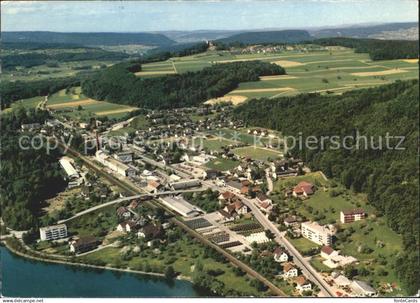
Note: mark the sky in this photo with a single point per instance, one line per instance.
(139, 16)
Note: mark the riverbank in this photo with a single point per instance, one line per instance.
(127, 270)
(30, 278)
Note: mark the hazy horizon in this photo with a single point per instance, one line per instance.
(160, 16)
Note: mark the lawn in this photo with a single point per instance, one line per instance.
(216, 144)
(222, 164)
(257, 153)
(316, 262)
(303, 244)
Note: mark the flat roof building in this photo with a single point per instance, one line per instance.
(319, 234)
(181, 206)
(185, 184)
(362, 289)
(53, 232)
(68, 167)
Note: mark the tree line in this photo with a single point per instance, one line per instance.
(117, 84)
(389, 177)
(377, 49)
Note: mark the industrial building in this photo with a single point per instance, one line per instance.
(178, 204)
(53, 232)
(66, 164)
(184, 184)
(115, 165)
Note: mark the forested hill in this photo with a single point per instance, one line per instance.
(285, 36)
(27, 176)
(377, 49)
(87, 38)
(389, 177)
(118, 84)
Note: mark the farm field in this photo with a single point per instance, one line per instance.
(75, 105)
(325, 71)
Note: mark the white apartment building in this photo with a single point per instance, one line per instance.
(53, 232)
(319, 234)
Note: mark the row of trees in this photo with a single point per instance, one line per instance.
(118, 85)
(27, 176)
(377, 49)
(11, 61)
(390, 177)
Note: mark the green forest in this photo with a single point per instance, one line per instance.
(377, 49)
(117, 84)
(389, 177)
(27, 176)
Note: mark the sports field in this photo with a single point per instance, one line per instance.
(75, 105)
(335, 70)
(257, 153)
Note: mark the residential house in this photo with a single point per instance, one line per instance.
(133, 204)
(333, 259)
(83, 244)
(280, 255)
(290, 221)
(236, 207)
(289, 271)
(349, 216)
(362, 289)
(302, 284)
(151, 232)
(127, 226)
(153, 186)
(123, 213)
(303, 189)
(264, 202)
(227, 197)
(327, 252)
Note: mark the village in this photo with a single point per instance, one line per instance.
(239, 202)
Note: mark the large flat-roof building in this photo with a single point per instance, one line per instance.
(181, 206)
(319, 234)
(53, 232)
(115, 165)
(66, 164)
(183, 184)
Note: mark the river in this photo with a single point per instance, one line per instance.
(27, 278)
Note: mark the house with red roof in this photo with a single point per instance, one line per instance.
(303, 189)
